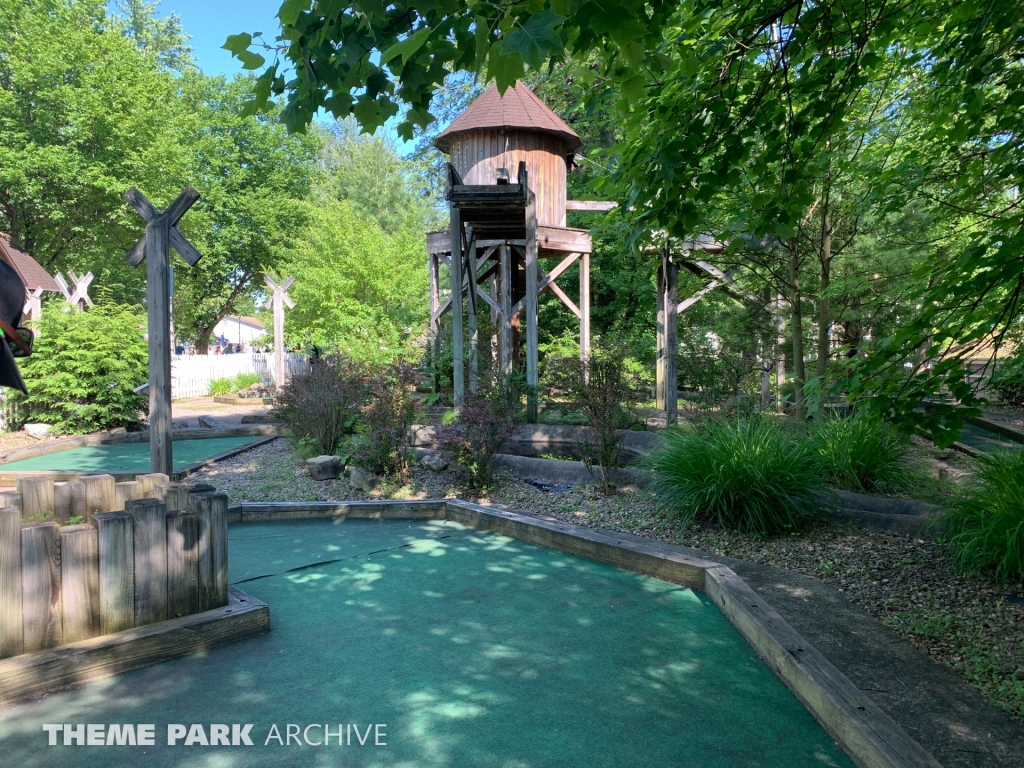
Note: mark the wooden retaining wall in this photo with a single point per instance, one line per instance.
(141, 552)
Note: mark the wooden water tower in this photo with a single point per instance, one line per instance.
(509, 156)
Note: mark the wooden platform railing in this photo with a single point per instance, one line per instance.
(151, 550)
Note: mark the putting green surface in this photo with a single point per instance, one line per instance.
(473, 649)
(129, 457)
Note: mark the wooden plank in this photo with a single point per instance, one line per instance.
(870, 736)
(37, 674)
(505, 290)
(182, 564)
(173, 494)
(471, 295)
(79, 579)
(11, 628)
(125, 492)
(116, 550)
(211, 510)
(36, 496)
(659, 397)
(150, 540)
(563, 239)
(40, 585)
(458, 382)
(671, 342)
(600, 206)
(530, 306)
(161, 448)
(69, 500)
(375, 510)
(100, 495)
(149, 483)
(547, 282)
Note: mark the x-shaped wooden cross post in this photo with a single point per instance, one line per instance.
(78, 297)
(279, 300)
(161, 234)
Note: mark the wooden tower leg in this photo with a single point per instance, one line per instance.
(531, 309)
(474, 326)
(584, 306)
(435, 322)
(659, 393)
(505, 332)
(671, 271)
(458, 383)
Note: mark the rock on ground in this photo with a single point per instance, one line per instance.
(211, 422)
(324, 467)
(363, 479)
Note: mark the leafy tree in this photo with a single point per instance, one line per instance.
(161, 37)
(85, 368)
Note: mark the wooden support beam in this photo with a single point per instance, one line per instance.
(505, 299)
(671, 341)
(585, 307)
(116, 546)
(40, 585)
(553, 287)
(474, 327)
(11, 627)
(532, 380)
(548, 280)
(100, 495)
(659, 393)
(149, 526)
(601, 206)
(434, 332)
(80, 582)
(279, 299)
(458, 353)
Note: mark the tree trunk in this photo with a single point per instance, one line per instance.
(797, 328)
(824, 319)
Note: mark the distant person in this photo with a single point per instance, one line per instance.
(314, 361)
(179, 349)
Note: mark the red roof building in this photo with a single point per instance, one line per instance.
(28, 269)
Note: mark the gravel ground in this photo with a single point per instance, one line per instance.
(971, 625)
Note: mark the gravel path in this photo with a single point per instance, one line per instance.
(971, 625)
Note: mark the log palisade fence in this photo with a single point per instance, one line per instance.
(152, 550)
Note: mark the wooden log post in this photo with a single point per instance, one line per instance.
(505, 287)
(212, 512)
(149, 523)
(659, 391)
(671, 340)
(80, 582)
(161, 234)
(434, 336)
(36, 496)
(11, 627)
(69, 500)
(40, 585)
(33, 310)
(149, 482)
(10, 499)
(279, 299)
(530, 308)
(585, 307)
(471, 298)
(174, 495)
(116, 547)
(125, 492)
(182, 564)
(100, 493)
(458, 353)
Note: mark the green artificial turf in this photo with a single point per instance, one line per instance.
(128, 457)
(474, 649)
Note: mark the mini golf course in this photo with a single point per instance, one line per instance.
(473, 648)
(125, 457)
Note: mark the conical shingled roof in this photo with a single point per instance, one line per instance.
(519, 108)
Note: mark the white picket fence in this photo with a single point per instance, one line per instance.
(191, 374)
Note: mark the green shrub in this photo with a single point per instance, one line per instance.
(1008, 381)
(222, 386)
(85, 367)
(485, 422)
(383, 446)
(323, 406)
(749, 475)
(861, 454)
(985, 521)
(245, 380)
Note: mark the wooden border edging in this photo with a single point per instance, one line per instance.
(36, 674)
(1003, 430)
(195, 466)
(867, 734)
(227, 400)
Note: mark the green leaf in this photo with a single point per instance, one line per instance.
(290, 10)
(536, 40)
(504, 70)
(406, 48)
(251, 60)
(237, 44)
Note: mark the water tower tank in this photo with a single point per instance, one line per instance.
(499, 132)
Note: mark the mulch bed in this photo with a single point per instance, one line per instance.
(966, 622)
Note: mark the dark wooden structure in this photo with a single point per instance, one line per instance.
(507, 199)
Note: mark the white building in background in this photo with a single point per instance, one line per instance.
(239, 330)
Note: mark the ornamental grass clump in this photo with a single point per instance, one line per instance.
(861, 454)
(749, 475)
(985, 521)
